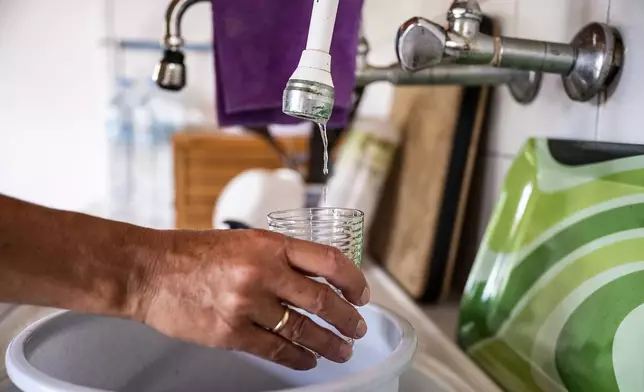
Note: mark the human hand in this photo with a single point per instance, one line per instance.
(225, 289)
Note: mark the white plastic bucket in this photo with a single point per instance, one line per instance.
(70, 352)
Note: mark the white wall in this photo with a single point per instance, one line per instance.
(52, 88)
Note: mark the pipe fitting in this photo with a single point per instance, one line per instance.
(587, 65)
(465, 17)
(170, 73)
(523, 85)
(309, 92)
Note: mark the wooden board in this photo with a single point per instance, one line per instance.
(404, 244)
(205, 161)
(416, 234)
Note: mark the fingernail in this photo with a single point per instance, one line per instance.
(312, 364)
(361, 329)
(366, 295)
(308, 364)
(346, 351)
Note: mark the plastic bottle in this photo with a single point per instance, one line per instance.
(120, 128)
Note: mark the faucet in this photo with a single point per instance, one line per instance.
(309, 92)
(588, 65)
(424, 59)
(170, 72)
(523, 85)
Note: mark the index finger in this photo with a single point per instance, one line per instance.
(329, 263)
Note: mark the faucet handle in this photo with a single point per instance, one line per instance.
(420, 43)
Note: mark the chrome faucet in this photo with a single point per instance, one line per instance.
(309, 92)
(170, 72)
(523, 85)
(588, 64)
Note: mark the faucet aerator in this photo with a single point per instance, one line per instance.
(309, 93)
(308, 100)
(170, 72)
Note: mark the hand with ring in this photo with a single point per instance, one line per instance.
(232, 290)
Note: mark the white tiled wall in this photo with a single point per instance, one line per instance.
(620, 117)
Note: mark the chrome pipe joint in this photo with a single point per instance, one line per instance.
(588, 64)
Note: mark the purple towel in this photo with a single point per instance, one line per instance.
(258, 44)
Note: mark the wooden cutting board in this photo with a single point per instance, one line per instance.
(205, 160)
(416, 234)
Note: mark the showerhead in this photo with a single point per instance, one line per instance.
(420, 44)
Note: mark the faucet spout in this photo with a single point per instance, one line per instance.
(309, 92)
(170, 72)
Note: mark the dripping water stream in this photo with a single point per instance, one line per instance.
(325, 167)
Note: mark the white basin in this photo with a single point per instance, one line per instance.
(70, 352)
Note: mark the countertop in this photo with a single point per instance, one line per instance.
(438, 355)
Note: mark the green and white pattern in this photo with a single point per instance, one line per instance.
(555, 301)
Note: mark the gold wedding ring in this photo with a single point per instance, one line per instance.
(280, 326)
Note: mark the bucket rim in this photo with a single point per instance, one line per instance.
(27, 377)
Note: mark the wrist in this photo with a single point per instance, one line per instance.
(74, 261)
(143, 250)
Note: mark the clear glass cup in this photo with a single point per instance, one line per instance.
(341, 228)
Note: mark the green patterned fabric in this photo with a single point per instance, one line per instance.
(555, 300)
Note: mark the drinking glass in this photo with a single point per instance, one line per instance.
(341, 228)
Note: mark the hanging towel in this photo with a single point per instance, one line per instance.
(258, 44)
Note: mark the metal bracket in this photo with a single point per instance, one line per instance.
(525, 86)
